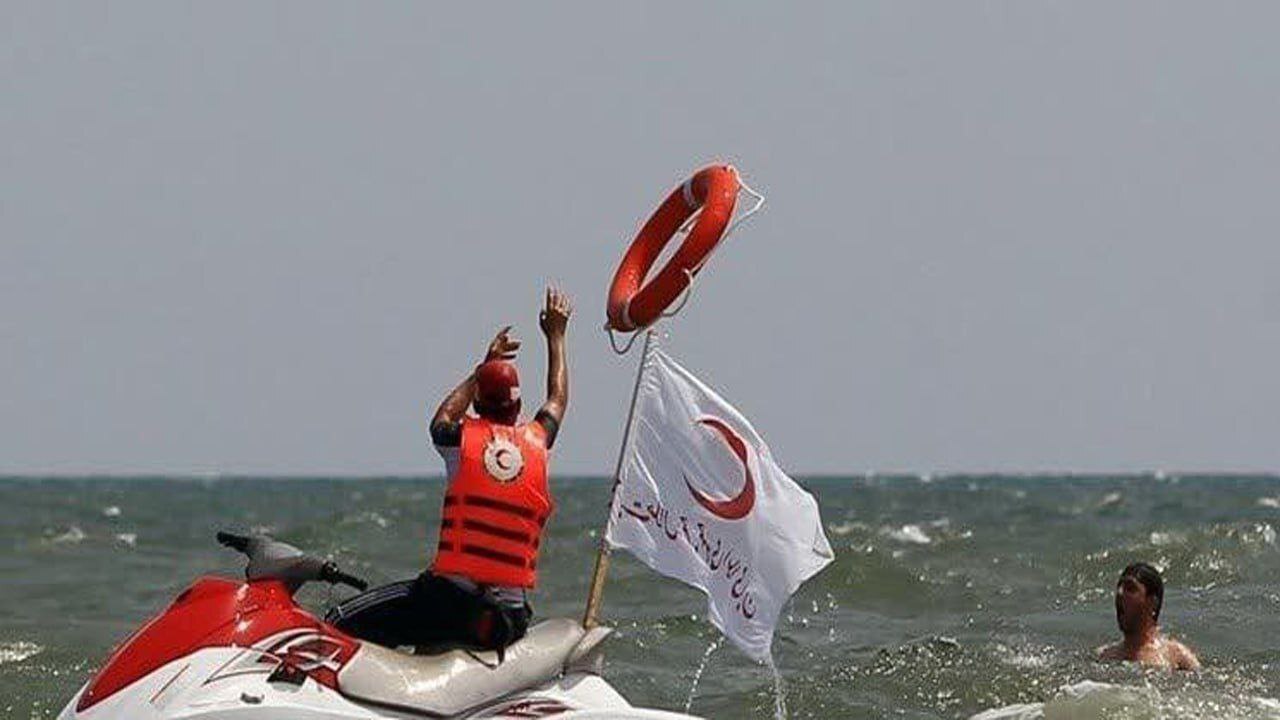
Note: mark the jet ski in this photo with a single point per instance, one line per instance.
(230, 650)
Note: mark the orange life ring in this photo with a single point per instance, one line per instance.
(715, 190)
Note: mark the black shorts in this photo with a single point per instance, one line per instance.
(430, 613)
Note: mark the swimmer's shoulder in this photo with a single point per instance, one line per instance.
(1110, 653)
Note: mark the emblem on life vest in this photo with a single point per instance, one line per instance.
(502, 459)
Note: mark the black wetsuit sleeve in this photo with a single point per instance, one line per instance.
(446, 434)
(549, 424)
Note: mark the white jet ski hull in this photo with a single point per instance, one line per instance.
(200, 687)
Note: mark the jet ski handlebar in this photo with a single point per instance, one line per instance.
(272, 559)
(235, 542)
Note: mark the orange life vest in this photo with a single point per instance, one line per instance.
(496, 505)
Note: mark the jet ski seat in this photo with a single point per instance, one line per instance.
(452, 682)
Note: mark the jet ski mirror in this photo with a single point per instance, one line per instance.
(271, 559)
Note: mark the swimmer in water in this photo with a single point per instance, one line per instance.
(1139, 595)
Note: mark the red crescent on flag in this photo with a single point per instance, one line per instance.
(737, 507)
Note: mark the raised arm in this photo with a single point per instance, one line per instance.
(554, 321)
(455, 404)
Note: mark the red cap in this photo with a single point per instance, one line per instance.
(497, 384)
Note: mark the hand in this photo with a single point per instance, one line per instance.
(555, 316)
(503, 347)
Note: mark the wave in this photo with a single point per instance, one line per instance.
(1089, 700)
(14, 652)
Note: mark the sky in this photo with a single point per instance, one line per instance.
(243, 237)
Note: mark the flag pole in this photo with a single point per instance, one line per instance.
(596, 593)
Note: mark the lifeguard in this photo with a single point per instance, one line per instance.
(495, 508)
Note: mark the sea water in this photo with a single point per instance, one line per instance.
(948, 598)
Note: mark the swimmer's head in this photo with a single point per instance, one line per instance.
(1139, 597)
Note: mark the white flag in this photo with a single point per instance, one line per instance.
(701, 500)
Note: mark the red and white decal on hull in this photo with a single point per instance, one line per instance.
(531, 708)
(320, 655)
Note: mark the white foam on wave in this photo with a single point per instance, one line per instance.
(845, 528)
(1025, 711)
(1269, 502)
(369, 518)
(1111, 499)
(72, 536)
(1026, 658)
(910, 533)
(111, 511)
(11, 652)
(1090, 700)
